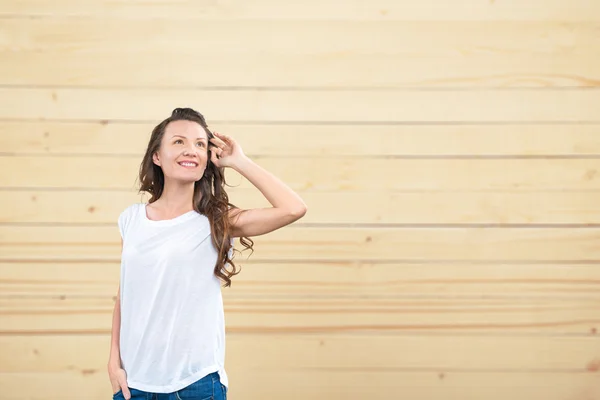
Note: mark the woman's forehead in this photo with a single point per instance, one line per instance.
(188, 129)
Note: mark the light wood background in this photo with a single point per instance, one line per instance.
(449, 153)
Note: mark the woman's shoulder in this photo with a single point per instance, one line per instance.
(130, 211)
(132, 208)
(127, 215)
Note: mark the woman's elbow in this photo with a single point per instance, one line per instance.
(298, 212)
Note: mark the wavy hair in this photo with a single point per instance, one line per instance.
(210, 198)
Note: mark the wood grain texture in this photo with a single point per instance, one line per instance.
(102, 243)
(84, 314)
(480, 283)
(369, 106)
(326, 53)
(341, 297)
(382, 10)
(379, 208)
(81, 316)
(41, 353)
(315, 140)
(338, 385)
(340, 175)
(448, 153)
(307, 72)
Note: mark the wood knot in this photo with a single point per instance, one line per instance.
(591, 174)
(594, 365)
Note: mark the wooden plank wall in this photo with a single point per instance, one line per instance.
(449, 153)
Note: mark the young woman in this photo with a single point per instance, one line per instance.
(168, 334)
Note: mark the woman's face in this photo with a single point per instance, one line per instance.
(183, 151)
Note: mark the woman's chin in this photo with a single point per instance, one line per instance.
(187, 179)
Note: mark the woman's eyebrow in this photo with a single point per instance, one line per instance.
(181, 136)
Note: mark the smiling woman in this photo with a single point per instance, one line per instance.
(178, 147)
(176, 252)
(176, 188)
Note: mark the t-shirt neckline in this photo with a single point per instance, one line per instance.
(170, 221)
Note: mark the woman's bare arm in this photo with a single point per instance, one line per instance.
(116, 373)
(114, 360)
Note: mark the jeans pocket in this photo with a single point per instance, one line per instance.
(181, 395)
(195, 391)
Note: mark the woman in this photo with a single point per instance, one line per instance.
(168, 335)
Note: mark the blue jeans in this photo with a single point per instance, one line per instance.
(207, 388)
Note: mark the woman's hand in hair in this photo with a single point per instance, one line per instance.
(225, 151)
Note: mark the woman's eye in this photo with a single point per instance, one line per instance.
(178, 140)
(200, 143)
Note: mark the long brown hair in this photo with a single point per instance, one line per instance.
(210, 198)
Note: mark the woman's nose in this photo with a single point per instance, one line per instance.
(189, 151)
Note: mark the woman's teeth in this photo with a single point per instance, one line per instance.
(188, 164)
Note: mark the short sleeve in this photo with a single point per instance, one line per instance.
(123, 221)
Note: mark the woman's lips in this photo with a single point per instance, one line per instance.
(188, 164)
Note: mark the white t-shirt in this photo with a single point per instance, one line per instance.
(172, 319)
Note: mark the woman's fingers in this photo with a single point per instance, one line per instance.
(213, 158)
(125, 388)
(222, 140)
(218, 140)
(126, 392)
(217, 150)
(123, 384)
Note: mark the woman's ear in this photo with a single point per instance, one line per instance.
(155, 159)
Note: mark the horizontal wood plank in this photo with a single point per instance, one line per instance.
(382, 54)
(342, 174)
(335, 385)
(282, 71)
(42, 353)
(332, 54)
(80, 243)
(311, 37)
(552, 10)
(80, 315)
(356, 106)
(467, 284)
(317, 141)
(436, 208)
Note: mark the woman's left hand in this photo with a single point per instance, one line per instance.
(225, 151)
